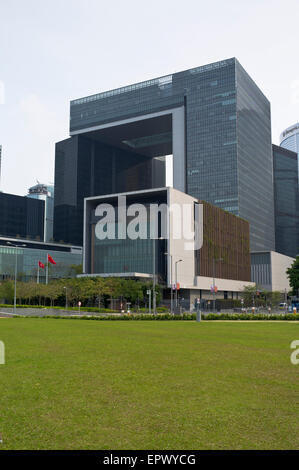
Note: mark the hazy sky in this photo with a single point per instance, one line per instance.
(58, 50)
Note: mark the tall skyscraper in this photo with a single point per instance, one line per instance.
(289, 139)
(0, 162)
(21, 217)
(286, 201)
(212, 119)
(45, 193)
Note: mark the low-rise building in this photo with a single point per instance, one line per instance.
(29, 253)
(171, 237)
(268, 270)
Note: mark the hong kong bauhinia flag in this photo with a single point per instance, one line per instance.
(41, 265)
(50, 259)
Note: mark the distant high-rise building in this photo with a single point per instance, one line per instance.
(213, 120)
(0, 162)
(45, 193)
(286, 201)
(21, 217)
(289, 139)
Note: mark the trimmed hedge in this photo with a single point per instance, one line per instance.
(85, 309)
(166, 317)
(250, 316)
(48, 307)
(145, 310)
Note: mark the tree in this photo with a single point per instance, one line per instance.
(98, 289)
(293, 275)
(7, 291)
(253, 296)
(275, 298)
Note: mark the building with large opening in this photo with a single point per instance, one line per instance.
(213, 120)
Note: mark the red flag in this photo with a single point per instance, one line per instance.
(41, 265)
(51, 259)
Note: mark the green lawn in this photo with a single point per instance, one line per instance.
(70, 384)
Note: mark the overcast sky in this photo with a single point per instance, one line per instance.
(58, 50)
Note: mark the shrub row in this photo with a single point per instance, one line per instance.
(165, 317)
(85, 309)
(250, 316)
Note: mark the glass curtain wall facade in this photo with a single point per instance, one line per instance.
(45, 193)
(21, 217)
(85, 167)
(111, 256)
(27, 263)
(286, 199)
(289, 139)
(255, 165)
(228, 154)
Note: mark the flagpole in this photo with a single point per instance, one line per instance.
(37, 273)
(47, 270)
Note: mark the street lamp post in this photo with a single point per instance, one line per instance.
(154, 276)
(16, 273)
(171, 286)
(176, 281)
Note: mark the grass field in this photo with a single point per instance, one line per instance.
(71, 384)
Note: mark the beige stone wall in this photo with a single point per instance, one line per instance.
(279, 265)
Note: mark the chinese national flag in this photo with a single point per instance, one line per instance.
(50, 259)
(41, 265)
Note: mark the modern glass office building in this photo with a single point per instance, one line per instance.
(45, 193)
(21, 217)
(289, 139)
(0, 161)
(286, 201)
(28, 256)
(213, 119)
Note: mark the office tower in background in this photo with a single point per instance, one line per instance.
(289, 139)
(45, 193)
(21, 217)
(286, 201)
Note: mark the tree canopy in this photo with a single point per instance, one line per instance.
(293, 275)
(89, 291)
